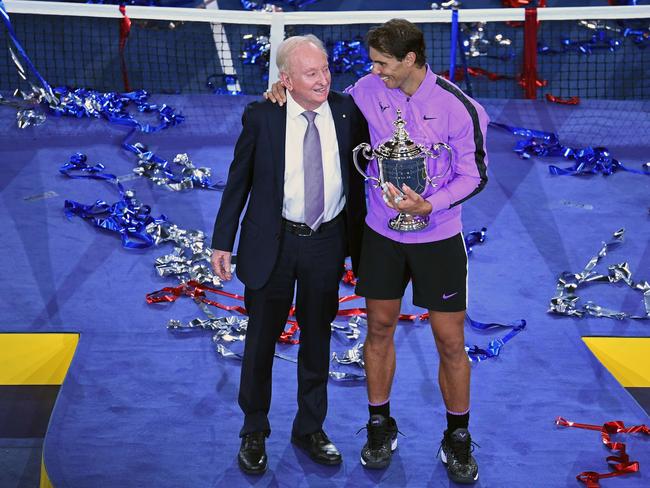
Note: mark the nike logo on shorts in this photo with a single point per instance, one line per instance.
(447, 297)
(428, 118)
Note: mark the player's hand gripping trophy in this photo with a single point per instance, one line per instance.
(402, 161)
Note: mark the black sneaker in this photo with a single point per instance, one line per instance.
(456, 454)
(382, 441)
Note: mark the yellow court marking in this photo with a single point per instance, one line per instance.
(627, 358)
(35, 359)
(45, 480)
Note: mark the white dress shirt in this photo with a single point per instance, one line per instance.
(293, 207)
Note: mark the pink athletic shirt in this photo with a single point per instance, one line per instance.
(437, 112)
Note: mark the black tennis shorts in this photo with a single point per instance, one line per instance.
(438, 271)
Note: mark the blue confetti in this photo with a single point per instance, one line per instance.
(349, 56)
(587, 161)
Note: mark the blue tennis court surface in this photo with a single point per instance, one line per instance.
(145, 406)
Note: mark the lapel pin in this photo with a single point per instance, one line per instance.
(343, 115)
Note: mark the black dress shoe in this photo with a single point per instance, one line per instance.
(252, 453)
(318, 447)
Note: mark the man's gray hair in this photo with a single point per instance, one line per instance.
(287, 46)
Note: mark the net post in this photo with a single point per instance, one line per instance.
(530, 54)
(275, 38)
(460, 38)
(125, 29)
(454, 41)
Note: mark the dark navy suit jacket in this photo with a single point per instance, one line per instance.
(257, 175)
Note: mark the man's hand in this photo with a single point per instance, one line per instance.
(277, 93)
(220, 261)
(406, 201)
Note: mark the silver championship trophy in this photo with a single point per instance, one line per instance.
(400, 160)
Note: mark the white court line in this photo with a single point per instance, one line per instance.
(225, 55)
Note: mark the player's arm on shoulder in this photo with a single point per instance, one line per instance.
(277, 93)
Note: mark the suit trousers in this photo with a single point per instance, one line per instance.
(312, 267)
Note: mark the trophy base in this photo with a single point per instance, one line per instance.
(408, 223)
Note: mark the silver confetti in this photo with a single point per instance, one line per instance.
(477, 42)
(351, 356)
(597, 25)
(351, 329)
(449, 4)
(155, 170)
(339, 376)
(565, 301)
(26, 115)
(25, 118)
(191, 257)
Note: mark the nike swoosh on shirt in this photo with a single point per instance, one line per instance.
(447, 297)
(428, 118)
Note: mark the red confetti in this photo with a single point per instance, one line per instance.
(563, 101)
(620, 463)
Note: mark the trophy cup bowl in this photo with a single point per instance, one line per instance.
(402, 161)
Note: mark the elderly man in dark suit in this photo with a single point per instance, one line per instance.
(305, 214)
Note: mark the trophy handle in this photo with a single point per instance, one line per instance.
(436, 154)
(367, 153)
